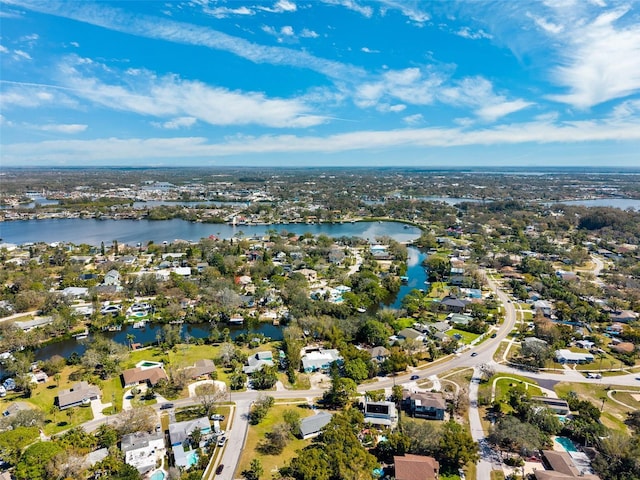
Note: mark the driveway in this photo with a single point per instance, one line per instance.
(489, 459)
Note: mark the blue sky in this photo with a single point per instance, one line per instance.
(322, 82)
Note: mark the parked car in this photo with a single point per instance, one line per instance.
(415, 377)
(222, 441)
(474, 354)
(219, 469)
(217, 417)
(166, 406)
(112, 309)
(494, 335)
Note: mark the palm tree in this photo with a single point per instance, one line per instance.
(130, 338)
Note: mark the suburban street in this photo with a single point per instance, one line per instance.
(483, 354)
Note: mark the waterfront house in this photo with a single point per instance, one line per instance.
(453, 304)
(202, 368)
(80, 393)
(151, 376)
(320, 359)
(258, 361)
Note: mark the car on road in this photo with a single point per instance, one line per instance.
(217, 417)
(219, 469)
(474, 354)
(415, 377)
(166, 406)
(222, 441)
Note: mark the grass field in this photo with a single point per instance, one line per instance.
(270, 463)
(613, 414)
(504, 384)
(467, 337)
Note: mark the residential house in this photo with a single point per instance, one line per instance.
(567, 356)
(562, 466)
(320, 359)
(80, 393)
(558, 406)
(543, 307)
(310, 275)
(202, 368)
(151, 376)
(624, 316)
(258, 361)
(453, 304)
(75, 292)
(416, 467)
(381, 413)
(143, 450)
(378, 354)
(429, 405)
(180, 432)
(336, 256)
(411, 334)
(624, 347)
(312, 426)
(459, 319)
(112, 278)
(567, 276)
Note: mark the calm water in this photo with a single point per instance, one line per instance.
(94, 231)
(416, 273)
(147, 336)
(621, 203)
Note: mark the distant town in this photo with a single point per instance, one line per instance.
(319, 324)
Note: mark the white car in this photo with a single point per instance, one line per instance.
(112, 309)
(222, 441)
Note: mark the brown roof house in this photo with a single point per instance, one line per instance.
(145, 372)
(562, 467)
(416, 467)
(79, 394)
(201, 368)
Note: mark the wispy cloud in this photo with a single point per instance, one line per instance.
(369, 50)
(540, 132)
(224, 12)
(409, 8)
(61, 128)
(177, 123)
(353, 5)
(179, 32)
(306, 33)
(143, 92)
(467, 32)
(21, 54)
(413, 119)
(601, 60)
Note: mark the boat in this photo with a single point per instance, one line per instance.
(140, 324)
(404, 279)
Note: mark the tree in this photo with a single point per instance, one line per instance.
(33, 463)
(136, 419)
(260, 409)
(265, 378)
(208, 395)
(255, 470)
(13, 441)
(292, 418)
(106, 435)
(456, 446)
(356, 369)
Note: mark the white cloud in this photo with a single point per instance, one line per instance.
(545, 24)
(287, 30)
(306, 33)
(179, 32)
(466, 32)
(224, 12)
(494, 111)
(285, 6)
(3, 49)
(5, 122)
(413, 119)
(601, 60)
(353, 5)
(410, 85)
(74, 44)
(410, 9)
(367, 140)
(169, 96)
(177, 123)
(62, 128)
(21, 54)
(368, 50)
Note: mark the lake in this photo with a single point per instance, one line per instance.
(621, 203)
(93, 231)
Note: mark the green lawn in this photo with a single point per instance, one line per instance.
(504, 384)
(256, 434)
(467, 337)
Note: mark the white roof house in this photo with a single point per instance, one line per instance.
(258, 361)
(142, 450)
(567, 356)
(320, 359)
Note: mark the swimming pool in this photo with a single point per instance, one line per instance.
(138, 314)
(158, 475)
(192, 458)
(567, 444)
